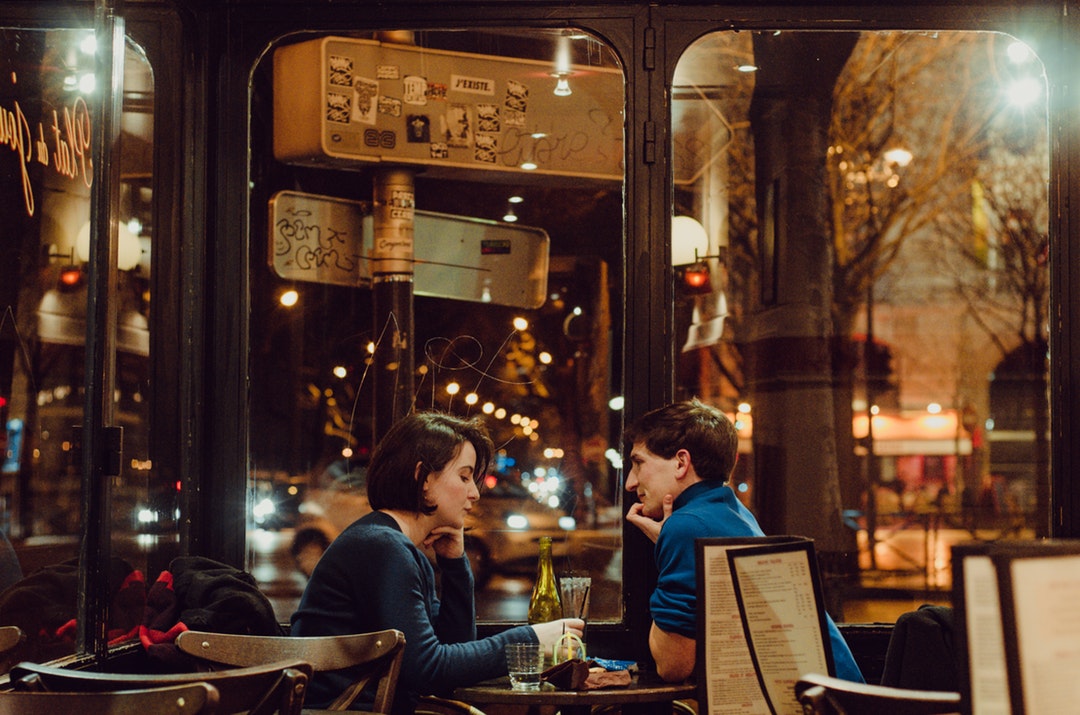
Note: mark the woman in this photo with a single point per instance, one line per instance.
(421, 482)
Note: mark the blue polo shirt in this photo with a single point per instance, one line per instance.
(710, 509)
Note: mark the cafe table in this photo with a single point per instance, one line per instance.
(645, 695)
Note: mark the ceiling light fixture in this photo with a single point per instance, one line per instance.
(562, 66)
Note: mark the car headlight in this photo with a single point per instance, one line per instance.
(263, 509)
(567, 523)
(517, 521)
(146, 516)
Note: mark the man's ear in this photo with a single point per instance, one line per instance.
(683, 463)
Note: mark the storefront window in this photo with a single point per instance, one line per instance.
(860, 251)
(501, 152)
(46, 180)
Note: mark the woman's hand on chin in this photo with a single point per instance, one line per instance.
(447, 541)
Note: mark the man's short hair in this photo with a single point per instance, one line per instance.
(702, 430)
(430, 439)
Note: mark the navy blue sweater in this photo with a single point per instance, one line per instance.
(372, 577)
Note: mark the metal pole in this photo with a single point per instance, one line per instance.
(392, 294)
(100, 439)
(394, 203)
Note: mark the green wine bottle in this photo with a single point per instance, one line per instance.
(544, 605)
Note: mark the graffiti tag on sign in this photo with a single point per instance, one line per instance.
(317, 240)
(323, 239)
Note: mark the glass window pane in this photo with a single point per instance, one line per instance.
(45, 178)
(869, 290)
(511, 141)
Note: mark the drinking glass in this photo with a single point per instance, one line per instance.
(525, 661)
(574, 594)
(569, 647)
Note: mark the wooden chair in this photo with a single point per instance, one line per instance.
(272, 688)
(10, 636)
(432, 705)
(678, 707)
(825, 695)
(374, 658)
(325, 653)
(187, 699)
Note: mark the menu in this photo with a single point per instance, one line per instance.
(1020, 628)
(760, 606)
(984, 680)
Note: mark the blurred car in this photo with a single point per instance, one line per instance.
(276, 502)
(503, 529)
(149, 519)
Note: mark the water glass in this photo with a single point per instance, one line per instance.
(525, 661)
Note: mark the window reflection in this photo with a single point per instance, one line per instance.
(917, 291)
(45, 180)
(512, 141)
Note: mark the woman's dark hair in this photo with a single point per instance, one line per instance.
(430, 439)
(702, 430)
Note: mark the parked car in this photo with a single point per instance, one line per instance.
(503, 529)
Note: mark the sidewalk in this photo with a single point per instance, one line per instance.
(912, 566)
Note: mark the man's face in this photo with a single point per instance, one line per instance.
(652, 478)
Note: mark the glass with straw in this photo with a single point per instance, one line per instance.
(574, 594)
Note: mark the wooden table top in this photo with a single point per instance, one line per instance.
(644, 688)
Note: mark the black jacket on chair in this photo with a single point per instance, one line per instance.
(921, 653)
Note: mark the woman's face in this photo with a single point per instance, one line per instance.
(453, 489)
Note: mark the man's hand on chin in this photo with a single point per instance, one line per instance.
(649, 525)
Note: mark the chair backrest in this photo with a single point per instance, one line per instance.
(825, 695)
(262, 690)
(373, 659)
(10, 636)
(186, 699)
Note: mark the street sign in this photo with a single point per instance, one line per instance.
(349, 103)
(324, 239)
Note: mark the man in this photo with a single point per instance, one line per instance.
(681, 458)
